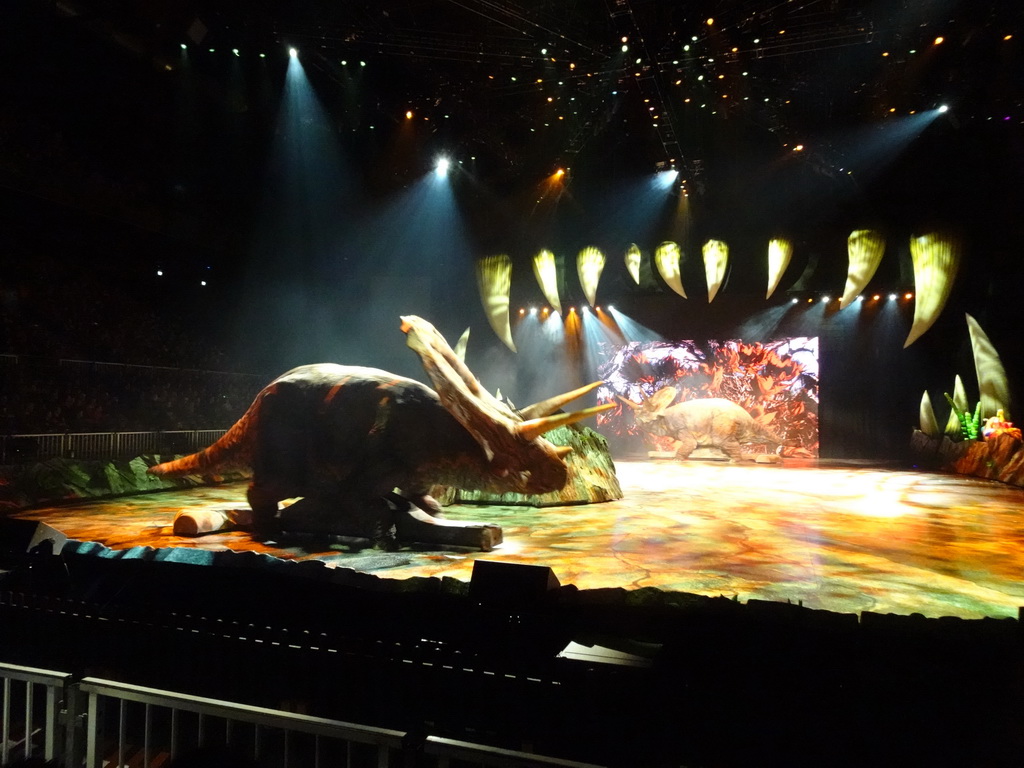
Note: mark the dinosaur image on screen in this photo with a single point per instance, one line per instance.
(775, 382)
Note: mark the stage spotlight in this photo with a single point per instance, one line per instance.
(408, 115)
(794, 301)
(611, 308)
(442, 167)
(892, 297)
(522, 311)
(533, 310)
(944, 108)
(908, 296)
(860, 298)
(667, 178)
(876, 297)
(825, 299)
(293, 52)
(159, 273)
(235, 51)
(184, 47)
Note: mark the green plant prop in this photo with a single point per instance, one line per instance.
(970, 426)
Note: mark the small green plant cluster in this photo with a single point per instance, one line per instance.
(970, 425)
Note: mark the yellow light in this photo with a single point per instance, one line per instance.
(408, 115)
(939, 40)
(711, 22)
(572, 66)
(1008, 37)
(876, 297)
(885, 54)
(560, 173)
(798, 148)
(893, 109)
(908, 296)
(550, 99)
(734, 50)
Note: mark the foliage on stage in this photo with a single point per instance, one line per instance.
(775, 382)
(994, 394)
(970, 424)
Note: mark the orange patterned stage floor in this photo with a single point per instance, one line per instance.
(838, 537)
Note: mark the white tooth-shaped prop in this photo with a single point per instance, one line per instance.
(461, 344)
(953, 428)
(927, 416)
(589, 266)
(545, 269)
(716, 259)
(936, 259)
(633, 262)
(780, 251)
(494, 277)
(864, 248)
(992, 382)
(666, 259)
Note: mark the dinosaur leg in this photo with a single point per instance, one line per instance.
(263, 501)
(733, 450)
(687, 445)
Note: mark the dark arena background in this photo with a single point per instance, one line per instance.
(784, 239)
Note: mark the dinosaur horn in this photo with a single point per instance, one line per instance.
(552, 404)
(562, 450)
(530, 430)
(630, 403)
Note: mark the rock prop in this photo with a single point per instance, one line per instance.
(592, 475)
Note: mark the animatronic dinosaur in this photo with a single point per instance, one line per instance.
(711, 422)
(353, 438)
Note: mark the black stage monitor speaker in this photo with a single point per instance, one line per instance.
(18, 539)
(510, 582)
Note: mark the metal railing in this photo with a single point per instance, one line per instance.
(17, 449)
(94, 722)
(24, 715)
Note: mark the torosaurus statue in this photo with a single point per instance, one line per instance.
(351, 437)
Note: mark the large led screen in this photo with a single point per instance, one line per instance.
(775, 383)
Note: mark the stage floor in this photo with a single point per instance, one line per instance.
(838, 537)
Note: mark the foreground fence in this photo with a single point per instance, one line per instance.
(95, 723)
(20, 449)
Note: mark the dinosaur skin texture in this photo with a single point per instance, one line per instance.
(353, 439)
(711, 422)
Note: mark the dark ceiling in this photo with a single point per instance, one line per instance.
(726, 91)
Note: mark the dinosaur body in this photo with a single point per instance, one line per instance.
(351, 438)
(705, 423)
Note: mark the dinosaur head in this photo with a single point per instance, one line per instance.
(650, 411)
(517, 457)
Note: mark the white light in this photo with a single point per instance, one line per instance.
(793, 301)
(667, 178)
(825, 299)
(184, 47)
(202, 282)
(625, 48)
(892, 297)
(944, 108)
(234, 51)
(159, 273)
(442, 167)
(533, 310)
(293, 52)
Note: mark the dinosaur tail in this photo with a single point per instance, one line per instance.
(233, 449)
